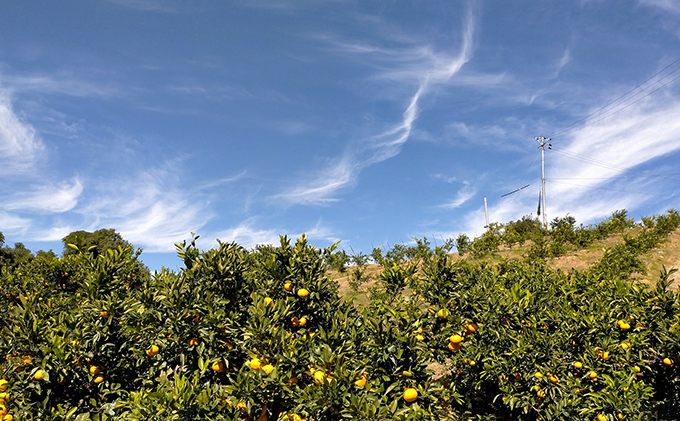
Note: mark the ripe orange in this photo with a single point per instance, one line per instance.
(318, 377)
(104, 314)
(540, 393)
(39, 375)
(255, 363)
(193, 341)
(592, 375)
(668, 361)
(554, 379)
(443, 313)
(241, 406)
(410, 394)
(218, 366)
(4, 384)
(472, 363)
(94, 369)
(471, 327)
(361, 382)
(454, 347)
(98, 379)
(303, 293)
(637, 369)
(303, 321)
(420, 337)
(154, 350)
(601, 417)
(8, 417)
(288, 286)
(578, 364)
(456, 339)
(268, 301)
(268, 369)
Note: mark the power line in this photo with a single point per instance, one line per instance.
(568, 129)
(620, 109)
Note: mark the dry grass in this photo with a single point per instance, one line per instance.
(666, 255)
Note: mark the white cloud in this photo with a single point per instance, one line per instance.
(465, 193)
(248, 235)
(666, 5)
(145, 5)
(62, 84)
(47, 198)
(563, 61)
(150, 209)
(20, 146)
(437, 70)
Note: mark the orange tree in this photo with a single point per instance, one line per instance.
(235, 335)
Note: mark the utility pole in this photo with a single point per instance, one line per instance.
(486, 212)
(543, 142)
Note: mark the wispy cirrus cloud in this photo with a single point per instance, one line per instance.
(343, 173)
(146, 5)
(249, 235)
(666, 5)
(46, 198)
(20, 146)
(63, 84)
(465, 193)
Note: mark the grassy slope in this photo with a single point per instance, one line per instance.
(667, 254)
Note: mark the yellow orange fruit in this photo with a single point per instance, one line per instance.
(668, 361)
(318, 377)
(268, 301)
(192, 341)
(454, 347)
(578, 364)
(637, 369)
(471, 327)
(288, 286)
(154, 350)
(39, 375)
(303, 293)
(443, 313)
(268, 369)
(94, 369)
(456, 339)
(592, 375)
(601, 417)
(218, 366)
(303, 321)
(361, 382)
(241, 406)
(4, 384)
(255, 363)
(104, 314)
(98, 379)
(410, 394)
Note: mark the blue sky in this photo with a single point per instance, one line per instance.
(369, 122)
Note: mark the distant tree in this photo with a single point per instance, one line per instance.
(13, 256)
(96, 242)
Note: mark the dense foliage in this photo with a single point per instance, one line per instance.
(263, 335)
